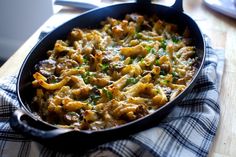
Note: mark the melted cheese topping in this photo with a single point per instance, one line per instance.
(102, 78)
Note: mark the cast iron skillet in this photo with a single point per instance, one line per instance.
(30, 125)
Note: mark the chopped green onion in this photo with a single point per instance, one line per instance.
(137, 29)
(158, 91)
(131, 81)
(162, 72)
(85, 61)
(148, 48)
(157, 62)
(138, 58)
(165, 81)
(131, 61)
(116, 66)
(105, 66)
(162, 76)
(175, 74)
(151, 66)
(138, 35)
(142, 60)
(86, 80)
(176, 39)
(86, 76)
(163, 44)
(153, 51)
(53, 80)
(94, 98)
(108, 93)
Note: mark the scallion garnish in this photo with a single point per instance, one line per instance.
(131, 81)
(108, 93)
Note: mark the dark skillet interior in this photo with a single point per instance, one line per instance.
(92, 19)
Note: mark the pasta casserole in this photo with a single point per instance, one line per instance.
(102, 78)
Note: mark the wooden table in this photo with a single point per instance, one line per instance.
(222, 31)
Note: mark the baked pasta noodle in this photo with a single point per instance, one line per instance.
(102, 78)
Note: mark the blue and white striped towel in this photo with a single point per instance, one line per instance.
(188, 131)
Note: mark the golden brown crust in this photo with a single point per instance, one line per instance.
(102, 78)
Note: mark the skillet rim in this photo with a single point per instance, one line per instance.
(170, 104)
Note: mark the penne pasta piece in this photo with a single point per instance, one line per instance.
(90, 116)
(148, 59)
(133, 69)
(146, 79)
(138, 100)
(121, 82)
(73, 71)
(38, 76)
(163, 59)
(159, 100)
(177, 86)
(133, 51)
(102, 78)
(53, 86)
(76, 105)
(78, 80)
(101, 82)
(82, 92)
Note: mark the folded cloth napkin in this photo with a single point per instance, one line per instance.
(187, 131)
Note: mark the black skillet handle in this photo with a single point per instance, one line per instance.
(178, 5)
(144, 1)
(32, 128)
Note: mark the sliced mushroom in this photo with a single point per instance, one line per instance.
(46, 67)
(71, 117)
